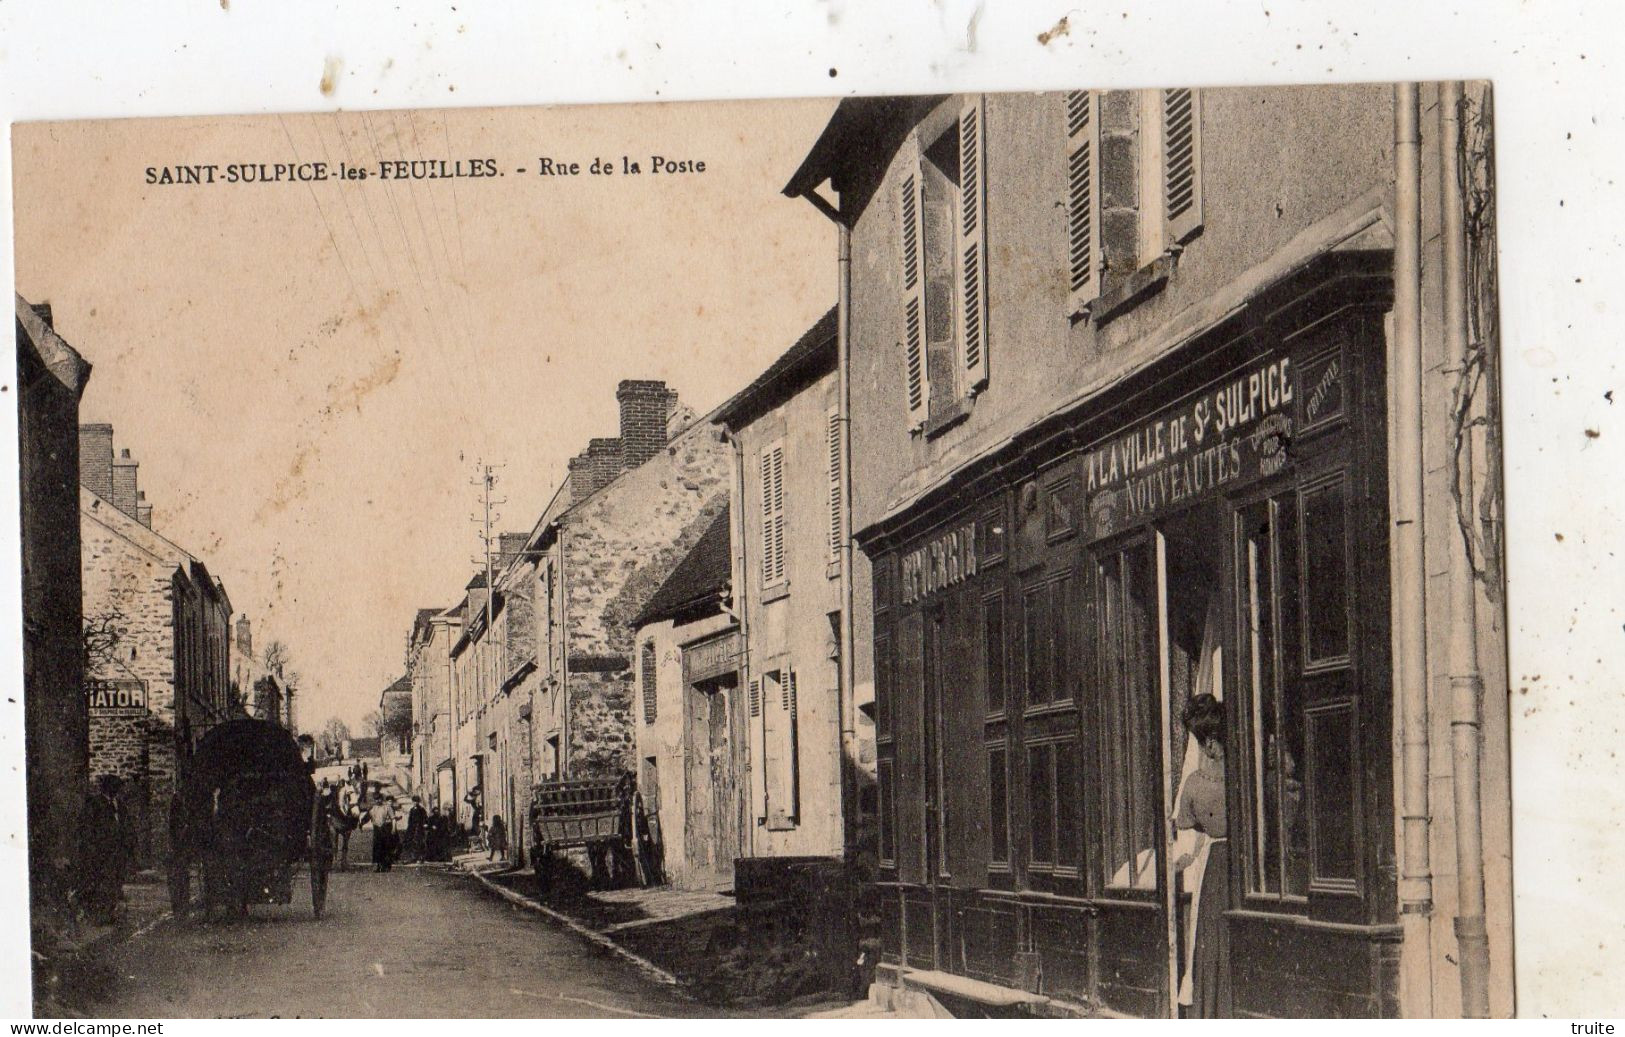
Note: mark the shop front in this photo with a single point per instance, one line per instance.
(1215, 526)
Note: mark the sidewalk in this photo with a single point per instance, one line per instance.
(689, 938)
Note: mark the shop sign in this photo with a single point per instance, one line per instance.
(116, 696)
(939, 563)
(1239, 428)
(711, 658)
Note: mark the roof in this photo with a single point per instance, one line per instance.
(420, 622)
(402, 686)
(61, 359)
(862, 130)
(814, 354)
(699, 580)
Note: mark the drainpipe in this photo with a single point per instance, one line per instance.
(1466, 683)
(843, 421)
(741, 587)
(1410, 605)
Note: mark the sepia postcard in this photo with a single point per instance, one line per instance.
(1033, 555)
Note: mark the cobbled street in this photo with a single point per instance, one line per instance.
(409, 943)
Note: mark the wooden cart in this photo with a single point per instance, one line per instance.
(600, 815)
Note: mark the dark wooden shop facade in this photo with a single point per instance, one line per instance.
(1218, 523)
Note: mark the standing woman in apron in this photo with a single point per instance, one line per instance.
(1201, 809)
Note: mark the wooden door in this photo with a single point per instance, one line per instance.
(724, 785)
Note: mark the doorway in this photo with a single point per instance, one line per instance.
(711, 824)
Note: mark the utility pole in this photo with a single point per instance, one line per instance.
(487, 481)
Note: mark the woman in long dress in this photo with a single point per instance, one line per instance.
(1202, 809)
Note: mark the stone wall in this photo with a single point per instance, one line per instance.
(619, 546)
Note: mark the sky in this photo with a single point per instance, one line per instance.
(309, 372)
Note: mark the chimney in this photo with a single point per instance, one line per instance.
(645, 405)
(96, 460)
(143, 510)
(476, 597)
(509, 547)
(124, 479)
(245, 638)
(580, 477)
(605, 456)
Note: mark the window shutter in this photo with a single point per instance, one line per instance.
(833, 443)
(1181, 165)
(973, 241)
(779, 743)
(917, 388)
(755, 698)
(648, 682)
(1082, 199)
(772, 514)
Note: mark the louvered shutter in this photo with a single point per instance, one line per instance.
(778, 705)
(973, 241)
(917, 386)
(648, 683)
(772, 514)
(833, 448)
(1181, 165)
(755, 698)
(1082, 199)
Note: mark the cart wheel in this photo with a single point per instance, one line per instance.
(318, 888)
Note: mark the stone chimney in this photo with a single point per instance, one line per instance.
(645, 406)
(509, 547)
(124, 483)
(605, 456)
(245, 639)
(143, 510)
(96, 460)
(580, 477)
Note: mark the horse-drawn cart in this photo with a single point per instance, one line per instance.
(244, 816)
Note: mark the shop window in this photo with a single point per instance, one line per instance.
(998, 800)
(942, 206)
(884, 691)
(1046, 642)
(1266, 570)
(1125, 592)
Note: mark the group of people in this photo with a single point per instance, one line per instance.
(394, 835)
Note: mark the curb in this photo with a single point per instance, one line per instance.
(592, 936)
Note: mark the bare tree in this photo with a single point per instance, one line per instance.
(374, 723)
(330, 740)
(103, 634)
(275, 657)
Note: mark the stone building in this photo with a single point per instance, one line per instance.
(51, 377)
(395, 739)
(159, 675)
(626, 516)
(691, 717)
(1152, 392)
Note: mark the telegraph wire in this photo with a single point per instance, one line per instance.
(406, 239)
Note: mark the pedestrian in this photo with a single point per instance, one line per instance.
(382, 818)
(497, 837)
(417, 830)
(351, 820)
(104, 850)
(1201, 807)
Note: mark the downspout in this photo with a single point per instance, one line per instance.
(1466, 683)
(736, 531)
(1410, 605)
(843, 421)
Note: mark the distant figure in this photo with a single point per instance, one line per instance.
(105, 850)
(382, 819)
(497, 837)
(417, 830)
